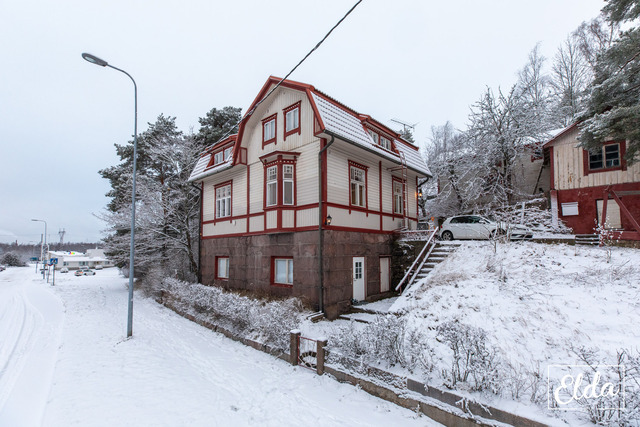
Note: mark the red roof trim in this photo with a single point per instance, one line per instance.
(564, 131)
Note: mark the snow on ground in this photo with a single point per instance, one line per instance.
(535, 300)
(538, 303)
(65, 361)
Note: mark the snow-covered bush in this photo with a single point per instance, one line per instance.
(387, 341)
(266, 321)
(535, 216)
(12, 260)
(473, 362)
(624, 372)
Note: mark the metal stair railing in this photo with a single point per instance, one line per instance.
(428, 248)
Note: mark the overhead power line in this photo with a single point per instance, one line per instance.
(247, 115)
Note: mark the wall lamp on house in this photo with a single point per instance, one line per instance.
(327, 220)
(420, 193)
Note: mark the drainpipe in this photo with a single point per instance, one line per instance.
(320, 224)
(199, 272)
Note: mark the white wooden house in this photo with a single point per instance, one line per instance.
(589, 188)
(305, 168)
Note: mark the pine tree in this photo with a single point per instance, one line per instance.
(613, 106)
(218, 124)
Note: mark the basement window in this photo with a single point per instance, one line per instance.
(282, 271)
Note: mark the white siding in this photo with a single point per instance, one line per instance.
(307, 217)
(288, 218)
(568, 166)
(256, 224)
(272, 219)
(342, 218)
(238, 192)
(224, 227)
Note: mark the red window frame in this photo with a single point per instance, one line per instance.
(395, 179)
(215, 200)
(273, 117)
(622, 149)
(217, 273)
(273, 272)
(212, 161)
(279, 164)
(353, 164)
(296, 129)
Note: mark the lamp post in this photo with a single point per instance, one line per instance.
(44, 241)
(97, 61)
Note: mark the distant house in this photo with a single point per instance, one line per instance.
(594, 187)
(306, 178)
(75, 260)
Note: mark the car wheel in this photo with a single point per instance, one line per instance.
(447, 235)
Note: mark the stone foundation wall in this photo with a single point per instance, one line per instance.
(250, 264)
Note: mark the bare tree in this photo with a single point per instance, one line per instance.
(569, 79)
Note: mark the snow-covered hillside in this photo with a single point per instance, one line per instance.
(64, 361)
(531, 305)
(535, 301)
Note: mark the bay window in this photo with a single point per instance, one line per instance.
(272, 186)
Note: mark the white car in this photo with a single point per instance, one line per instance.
(479, 227)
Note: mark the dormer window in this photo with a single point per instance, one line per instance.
(385, 143)
(222, 155)
(380, 140)
(218, 158)
(269, 130)
(375, 136)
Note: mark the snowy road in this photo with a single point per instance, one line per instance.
(64, 362)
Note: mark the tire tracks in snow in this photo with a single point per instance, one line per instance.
(17, 336)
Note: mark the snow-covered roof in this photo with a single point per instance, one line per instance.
(337, 119)
(201, 171)
(344, 124)
(558, 133)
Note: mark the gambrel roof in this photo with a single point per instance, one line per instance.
(334, 118)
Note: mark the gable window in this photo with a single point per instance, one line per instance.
(358, 187)
(292, 120)
(223, 200)
(269, 130)
(222, 267)
(398, 197)
(610, 156)
(607, 157)
(272, 186)
(282, 270)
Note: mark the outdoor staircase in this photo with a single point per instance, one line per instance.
(587, 239)
(440, 252)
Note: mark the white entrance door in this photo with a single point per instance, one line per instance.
(358, 279)
(384, 274)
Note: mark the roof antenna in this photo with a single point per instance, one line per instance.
(406, 125)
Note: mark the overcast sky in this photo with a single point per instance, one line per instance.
(421, 62)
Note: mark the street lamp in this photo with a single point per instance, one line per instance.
(97, 61)
(44, 241)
